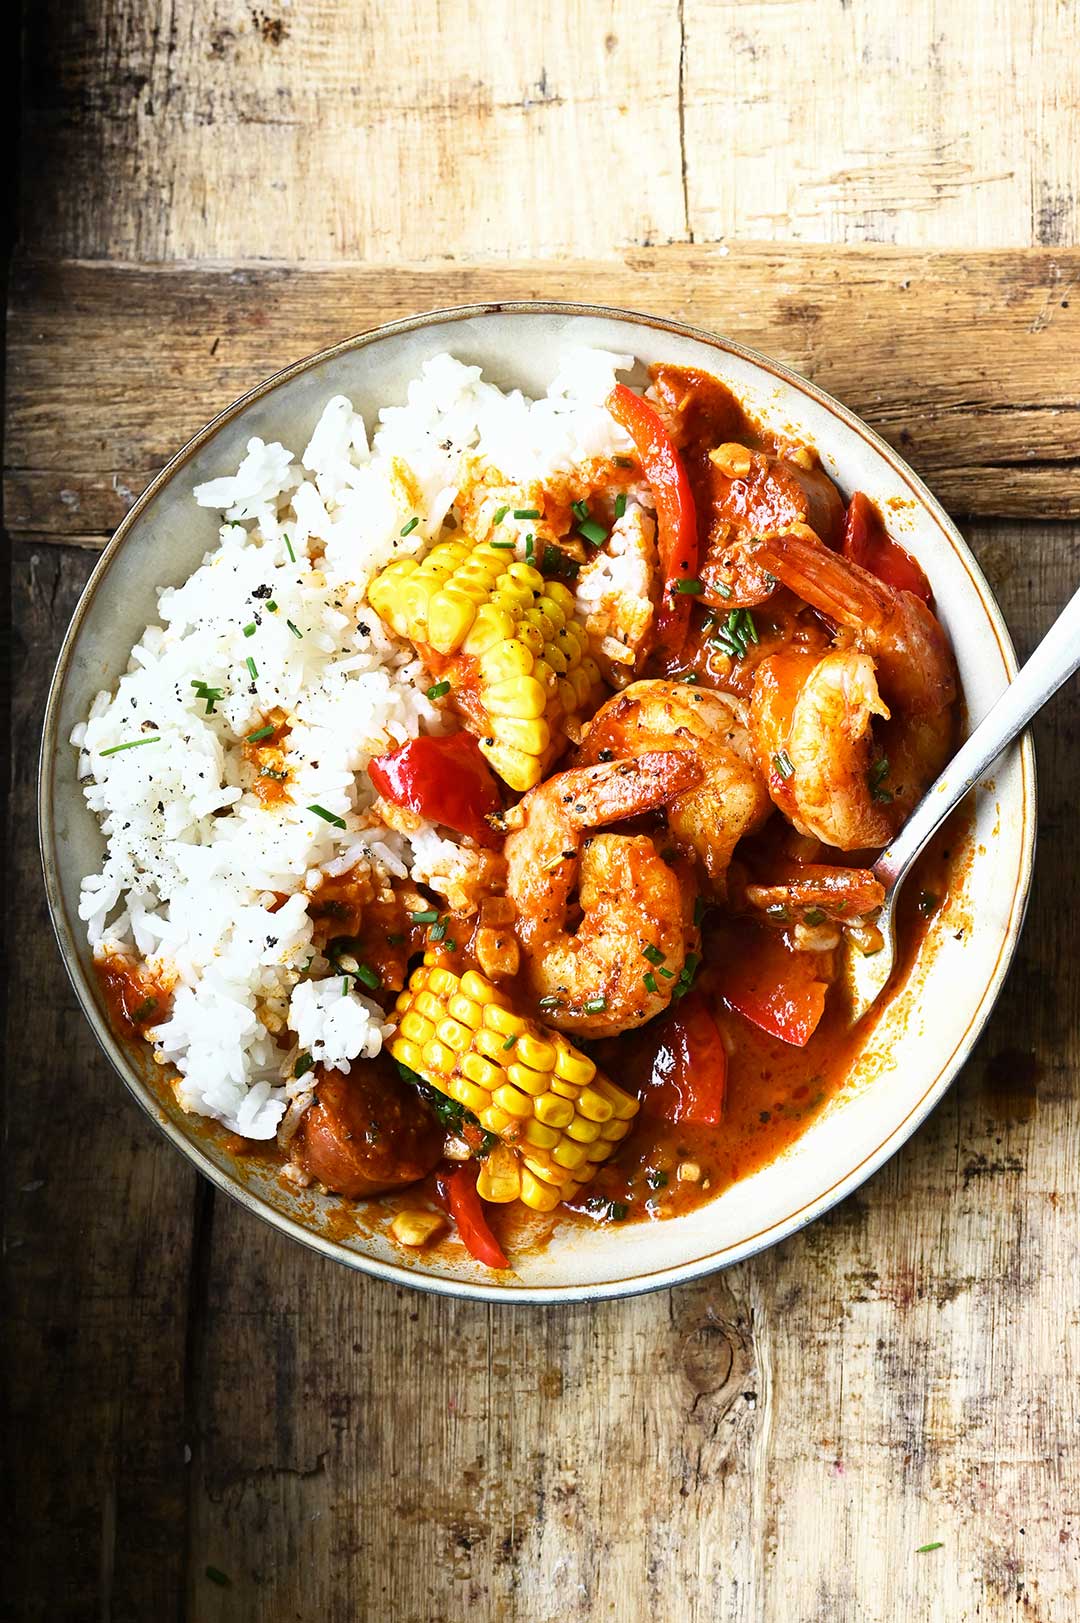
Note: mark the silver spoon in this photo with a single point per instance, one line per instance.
(1055, 659)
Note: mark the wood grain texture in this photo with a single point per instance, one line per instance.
(771, 1444)
(442, 130)
(967, 363)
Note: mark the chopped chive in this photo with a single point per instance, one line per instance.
(500, 515)
(449, 945)
(580, 509)
(369, 977)
(656, 1179)
(784, 764)
(878, 772)
(526, 512)
(548, 1002)
(595, 1005)
(252, 667)
(407, 529)
(288, 545)
(509, 1043)
(271, 606)
(723, 589)
(650, 982)
(558, 564)
(623, 461)
(691, 588)
(668, 974)
(748, 622)
(327, 817)
(294, 629)
(924, 1549)
(777, 911)
(304, 1063)
(345, 986)
(249, 630)
(261, 732)
(814, 915)
(503, 546)
(428, 916)
(438, 689)
(530, 548)
(594, 533)
(620, 504)
(654, 955)
(437, 931)
(136, 743)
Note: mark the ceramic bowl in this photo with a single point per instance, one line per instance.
(926, 1033)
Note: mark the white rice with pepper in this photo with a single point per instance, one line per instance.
(195, 864)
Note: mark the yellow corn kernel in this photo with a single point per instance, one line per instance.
(593, 1106)
(499, 1178)
(536, 1052)
(454, 1035)
(572, 1066)
(555, 592)
(533, 638)
(549, 1172)
(427, 1004)
(513, 1101)
(494, 1119)
(583, 1131)
(565, 1090)
(415, 1027)
(408, 1053)
(534, 1083)
(598, 1152)
(541, 1197)
(464, 1009)
(569, 1155)
(468, 1094)
(553, 1111)
(492, 1046)
(416, 1228)
(531, 736)
(541, 1137)
(613, 1130)
(526, 576)
(483, 1072)
(491, 627)
(567, 695)
(443, 982)
(507, 659)
(517, 769)
(520, 696)
(438, 1058)
(557, 660)
(474, 986)
(579, 680)
(503, 1020)
(621, 1103)
(450, 613)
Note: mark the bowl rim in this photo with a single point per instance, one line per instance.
(411, 1276)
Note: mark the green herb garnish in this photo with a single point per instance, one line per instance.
(136, 743)
(252, 667)
(595, 1005)
(294, 629)
(428, 916)
(656, 1179)
(650, 982)
(689, 587)
(654, 955)
(558, 564)
(784, 764)
(620, 504)
(580, 510)
(503, 546)
(288, 546)
(924, 1549)
(737, 633)
(271, 606)
(526, 512)
(593, 532)
(814, 915)
(327, 817)
(250, 630)
(878, 773)
(261, 732)
(304, 1063)
(407, 529)
(438, 690)
(438, 931)
(500, 515)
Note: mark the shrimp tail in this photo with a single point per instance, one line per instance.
(831, 584)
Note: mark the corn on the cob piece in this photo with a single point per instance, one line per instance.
(528, 1085)
(484, 610)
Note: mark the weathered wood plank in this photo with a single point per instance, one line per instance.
(353, 129)
(774, 1443)
(97, 1227)
(968, 363)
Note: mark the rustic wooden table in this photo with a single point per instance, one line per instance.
(207, 1422)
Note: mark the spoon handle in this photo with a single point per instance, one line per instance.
(1055, 659)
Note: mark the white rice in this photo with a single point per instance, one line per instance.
(195, 865)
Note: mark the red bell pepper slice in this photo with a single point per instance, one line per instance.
(458, 1190)
(867, 543)
(445, 780)
(689, 1069)
(774, 988)
(676, 514)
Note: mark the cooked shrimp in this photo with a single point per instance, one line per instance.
(830, 770)
(708, 819)
(616, 594)
(816, 892)
(593, 977)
